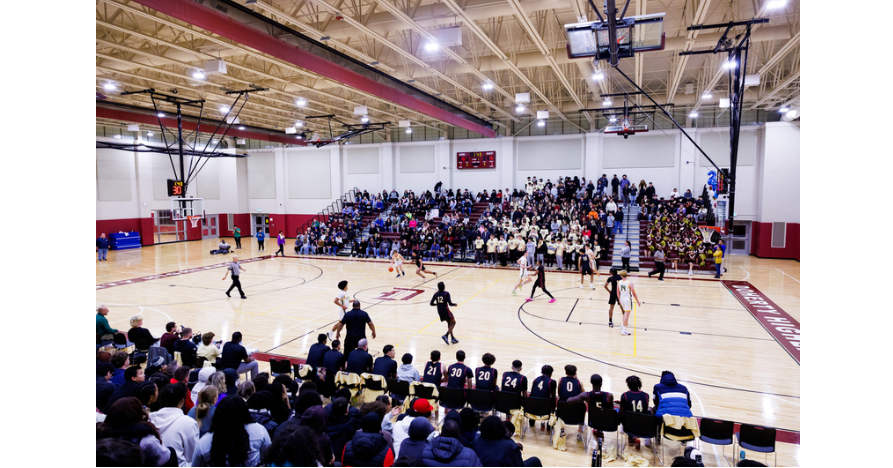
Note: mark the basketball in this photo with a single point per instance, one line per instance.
(391, 269)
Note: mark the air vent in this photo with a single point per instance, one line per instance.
(221, 8)
(778, 235)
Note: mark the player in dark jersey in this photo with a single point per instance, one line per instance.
(460, 375)
(486, 377)
(544, 387)
(420, 265)
(435, 371)
(634, 400)
(514, 381)
(569, 386)
(584, 264)
(612, 298)
(597, 397)
(540, 282)
(443, 302)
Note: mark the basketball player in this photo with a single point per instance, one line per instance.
(524, 277)
(234, 268)
(341, 301)
(540, 282)
(626, 292)
(460, 375)
(398, 263)
(544, 387)
(435, 371)
(596, 397)
(514, 381)
(585, 267)
(486, 376)
(443, 302)
(612, 298)
(568, 387)
(420, 265)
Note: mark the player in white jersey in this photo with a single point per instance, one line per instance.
(524, 277)
(341, 300)
(626, 292)
(398, 263)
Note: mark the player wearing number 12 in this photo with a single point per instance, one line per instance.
(442, 300)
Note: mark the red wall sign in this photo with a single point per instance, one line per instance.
(476, 160)
(776, 321)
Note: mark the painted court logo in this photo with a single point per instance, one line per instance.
(776, 321)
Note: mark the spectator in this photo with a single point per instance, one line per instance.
(407, 372)
(687, 194)
(203, 411)
(281, 410)
(186, 347)
(385, 365)
(181, 375)
(626, 254)
(137, 332)
(602, 184)
(294, 447)
(615, 186)
(446, 450)
(234, 356)
(495, 447)
(203, 376)
(171, 335)
(419, 430)
(132, 376)
(341, 425)
(259, 406)
(118, 452)
(246, 390)
(717, 260)
(673, 194)
(420, 408)
(126, 421)
(103, 331)
(315, 419)
(671, 397)
(234, 439)
(208, 349)
(102, 247)
(177, 431)
(359, 360)
(120, 361)
(368, 447)
(618, 221)
(147, 394)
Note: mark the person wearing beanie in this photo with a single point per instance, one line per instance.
(368, 447)
(420, 408)
(419, 430)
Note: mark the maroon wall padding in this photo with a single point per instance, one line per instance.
(218, 23)
(144, 226)
(761, 241)
(150, 119)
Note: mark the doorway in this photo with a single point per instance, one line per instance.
(260, 221)
(741, 238)
(209, 227)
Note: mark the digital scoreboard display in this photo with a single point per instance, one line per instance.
(174, 188)
(476, 160)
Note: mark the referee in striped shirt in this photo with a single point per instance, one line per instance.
(234, 268)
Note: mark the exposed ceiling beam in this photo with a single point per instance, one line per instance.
(676, 77)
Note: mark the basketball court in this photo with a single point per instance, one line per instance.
(734, 369)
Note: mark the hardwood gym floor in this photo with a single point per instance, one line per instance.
(693, 326)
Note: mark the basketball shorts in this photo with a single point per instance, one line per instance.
(398, 263)
(626, 303)
(612, 300)
(446, 317)
(585, 270)
(523, 274)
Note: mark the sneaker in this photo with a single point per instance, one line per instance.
(244, 297)
(610, 324)
(514, 293)
(648, 442)
(649, 275)
(623, 331)
(553, 300)
(591, 286)
(445, 340)
(398, 275)
(227, 295)
(581, 286)
(661, 281)
(331, 335)
(454, 340)
(543, 427)
(529, 299)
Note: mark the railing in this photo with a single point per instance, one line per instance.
(335, 207)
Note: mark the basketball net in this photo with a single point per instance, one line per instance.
(194, 220)
(625, 122)
(706, 233)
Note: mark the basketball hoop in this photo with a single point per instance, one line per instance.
(194, 220)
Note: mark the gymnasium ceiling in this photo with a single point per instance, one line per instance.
(137, 48)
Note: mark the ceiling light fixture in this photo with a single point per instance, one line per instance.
(775, 4)
(606, 103)
(150, 133)
(365, 119)
(241, 127)
(520, 108)
(784, 109)
(693, 114)
(431, 46)
(161, 114)
(110, 86)
(598, 75)
(198, 75)
(729, 64)
(487, 86)
(116, 136)
(299, 124)
(612, 119)
(541, 123)
(408, 130)
(707, 96)
(301, 102)
(224, 109)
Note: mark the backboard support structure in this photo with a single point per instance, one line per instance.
(183, 209)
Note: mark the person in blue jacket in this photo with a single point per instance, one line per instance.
(260, 238)
(671, 397)
(102, 246)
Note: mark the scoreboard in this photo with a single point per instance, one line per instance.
(476, 160)
(174, 188)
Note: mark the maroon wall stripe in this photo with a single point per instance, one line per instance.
(776, 321)
(218, 23)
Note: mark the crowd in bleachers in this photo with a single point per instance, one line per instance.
(193, 409)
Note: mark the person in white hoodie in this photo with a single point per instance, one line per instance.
(203, 376)
(178, 431)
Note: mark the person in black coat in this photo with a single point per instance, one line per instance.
(495, 447)
(138, 335)
(368, 447)
(132, 376)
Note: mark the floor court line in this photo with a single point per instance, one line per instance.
(789, 276)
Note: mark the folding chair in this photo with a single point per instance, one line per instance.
(641, 425)
(398, 388)
(506, 402)
(571, 414)
(452, 398)
(758, 439)
(280, 366)
(373, 386)
(178, 357)
(121, 343)
(423, 391)
(718, 432)
(480, 400)
(539, 408)
(308, 375)
(604, 420)
(682, 436)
